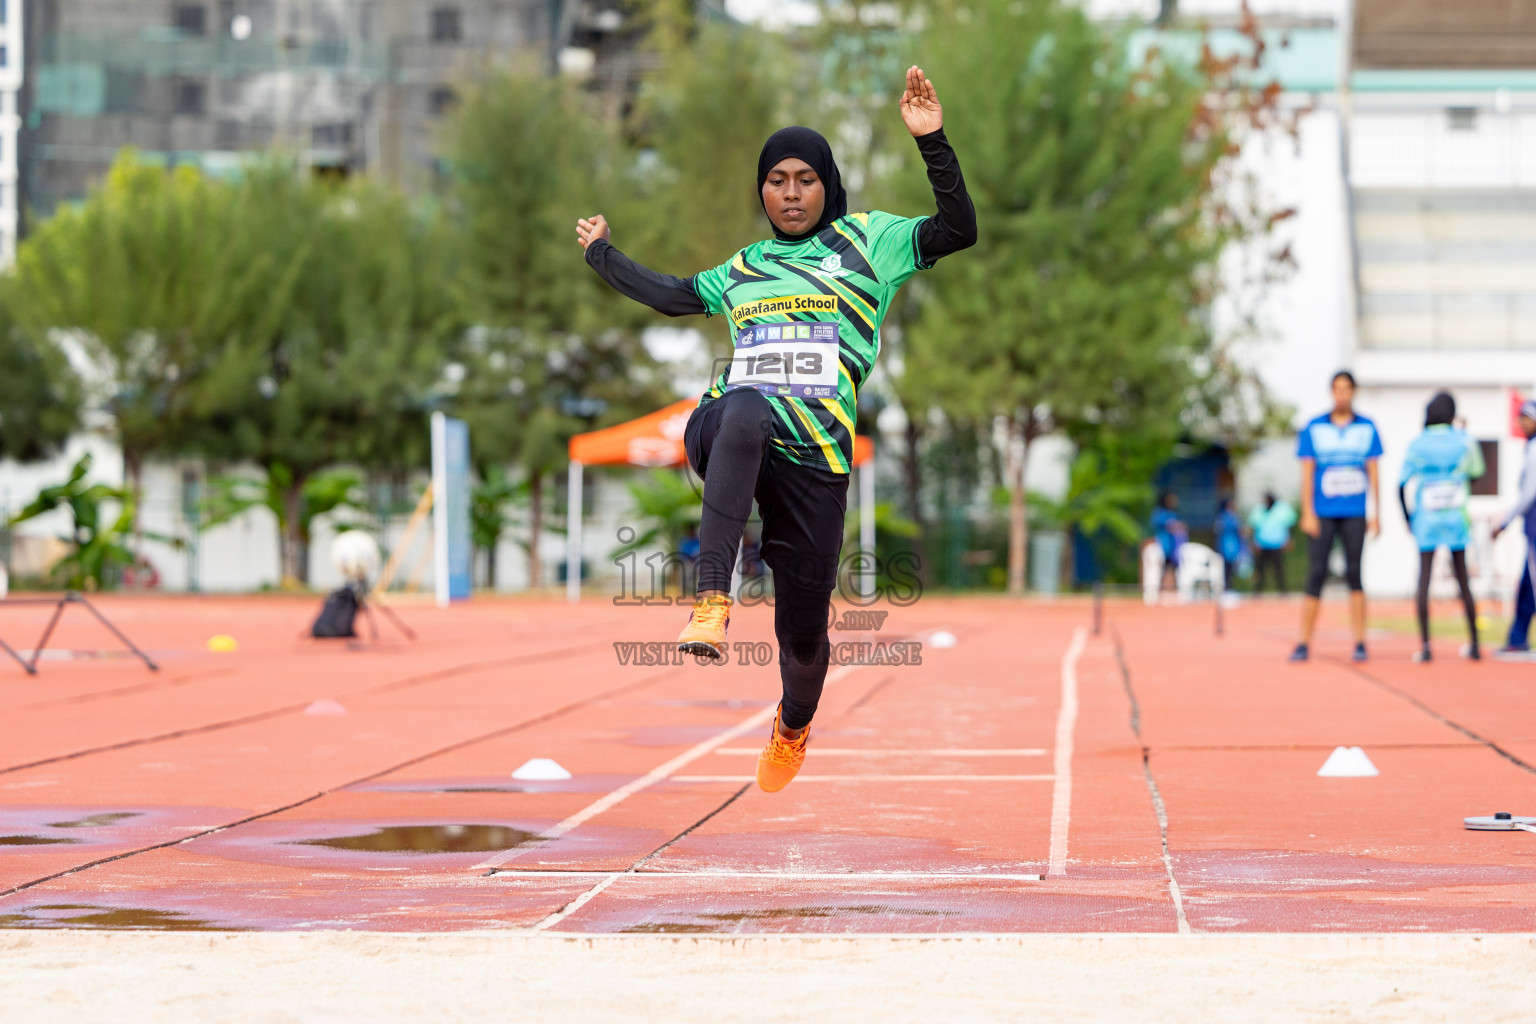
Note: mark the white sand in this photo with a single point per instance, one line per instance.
(364, 976)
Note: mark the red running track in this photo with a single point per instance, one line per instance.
(1033, 777)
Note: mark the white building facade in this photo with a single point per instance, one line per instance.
(11, 66)
(1415, 249)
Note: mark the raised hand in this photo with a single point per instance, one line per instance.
(920, 108)
(589, 231)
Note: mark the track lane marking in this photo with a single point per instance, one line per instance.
(661, 772)
(897, 751)
(792, 876)
(873, 777)
(418, 759)
(665, 770)
(1066, 726)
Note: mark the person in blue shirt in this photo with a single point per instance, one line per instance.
(1440, 464)
(1518, 645)
(1271, 525)
(1170, 533)
(1338, 451)
(1229, 539)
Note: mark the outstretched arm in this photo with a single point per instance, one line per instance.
(673, 296)
(953, 227)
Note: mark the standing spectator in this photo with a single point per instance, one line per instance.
(1271, 524)
(1340, 493)
(1518, 646)
(1440, 464)
(1229, 540)
(1170, 533)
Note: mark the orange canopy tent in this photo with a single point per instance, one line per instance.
(656, 439)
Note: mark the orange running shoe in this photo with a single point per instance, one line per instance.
(705, 633)
(781, 759)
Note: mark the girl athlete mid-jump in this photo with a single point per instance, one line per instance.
(805, 309)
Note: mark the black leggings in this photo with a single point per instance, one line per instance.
(1352, 532)
(1265, 562)
(1459, 567)
(802, 510)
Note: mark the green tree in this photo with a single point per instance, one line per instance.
(154, 278)
(96, 537)
(553, 351)
(1093, 182)
(349, 371)
(698, 128)
(40, 393)
(232, 495)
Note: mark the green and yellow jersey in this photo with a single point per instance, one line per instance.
(805, 326)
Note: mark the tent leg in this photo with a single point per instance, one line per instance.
(867, 527)
(573, 534)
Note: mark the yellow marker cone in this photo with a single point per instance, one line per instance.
(222, 643)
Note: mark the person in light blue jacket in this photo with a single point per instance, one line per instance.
(1439, 467)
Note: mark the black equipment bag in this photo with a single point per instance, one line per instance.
(338, 615)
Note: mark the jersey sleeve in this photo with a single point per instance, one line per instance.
(1375, 452)
(1476, 466)
(1304, 449)
(710, 286)
(892, 247)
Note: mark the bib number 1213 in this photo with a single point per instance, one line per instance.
(795, 359)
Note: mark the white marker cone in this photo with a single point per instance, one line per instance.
(943, 638)
(1347, 763)
(325, 706)
(541, 769)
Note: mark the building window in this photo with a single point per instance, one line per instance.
(445, 25)
(331, 136)
(1488, 483)
(192, 19)
(1462, 119)
(441, 100)
(191, 97)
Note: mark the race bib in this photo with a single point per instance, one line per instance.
(796, 360)
(1442, 496)
(1343, 481)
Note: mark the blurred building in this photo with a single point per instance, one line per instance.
(1414, 181)
(12, 54)
(352, 85)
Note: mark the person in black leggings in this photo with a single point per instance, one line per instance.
(1439, 466)
(1340, 493)
(805, 309)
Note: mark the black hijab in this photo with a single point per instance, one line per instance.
(1442, 409)
(813, 149)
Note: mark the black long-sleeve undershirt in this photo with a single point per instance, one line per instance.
(950, 229)
(953, 227)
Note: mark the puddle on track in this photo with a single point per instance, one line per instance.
(97, 820)
(34, 840)
(428, 839)
(716, 922)
(91, 916)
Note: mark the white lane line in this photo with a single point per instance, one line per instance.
(1066, 726)
(754, 721)
(577, 903)
(872, 778)
(787, 876)
(862, 752)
